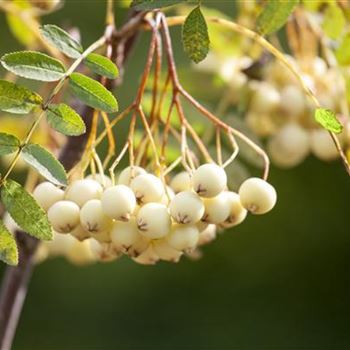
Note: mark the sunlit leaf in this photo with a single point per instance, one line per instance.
(8, 143)
(328, 120)
(60, 39)
(195, 35)
(343, 51)
(65, 120)
(8, 246)
(93, 93)
(45, 163)
(25, 211)
(33, 65)
(274, 15)
(20, 30)
(154, 4)
(17, 99)
(102, 65)
(334, 21)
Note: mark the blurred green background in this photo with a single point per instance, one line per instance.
(280, 281)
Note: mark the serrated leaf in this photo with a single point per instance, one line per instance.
(33, 65)
(143, 5)
(328, 120)
(8, 246)
(25, 211)
(195, 35)
(92, 93)
(334, 21)
(60, 39)
(65, 120)
(45, 163)
(8, 143)
(274, 15)
(102, 65)
(343, 51)
(17, 99)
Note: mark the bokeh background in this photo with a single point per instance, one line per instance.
(280, 281)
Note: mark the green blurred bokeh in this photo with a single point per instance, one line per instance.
(279, 281)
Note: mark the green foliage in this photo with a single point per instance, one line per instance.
(65, 120)
(343, 51)
(45, 163)
(328, 120)
(334, 21)
(274, 15)
(17, 99)
(102, 65)
(20, 30)
(33, 65)
(92, 93)
(60, 39)
(8, 246)
(195, 35)
(153, 4)
(25, 211)
(8, 143)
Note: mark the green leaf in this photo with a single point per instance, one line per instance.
(20, 30)
(33, 65)
(8, 246)
(343, 51)
(92, 93)
(274, 15)
(65, 120)
(17, 99)
(8, 143)
(45, 163)
(60, 39)
(195, 35)
(25, 211)
(102, 65)
(153, 4)
(334, 21)
(328, 120)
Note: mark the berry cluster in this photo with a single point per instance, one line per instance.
(143, 217)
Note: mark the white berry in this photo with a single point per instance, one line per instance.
(142, 243)
(293, 100)
(80, 253)
(153, 220)
(148, 257)
(118, 202)
(104, 252)
(257, 195)
(92, 217)
(217, 209)
(181, 182)
(183, 237)
(147, 188)
(104, 180)
(80, 233)
(168, 195)
(165, 252)
(322, 145)
(64, 216)
(47, 194)
(129, 173)
(124, 234)
(237, 212)
(209, 180)
(186, 208)
(265, 98)
(207, 235)
(81, 191)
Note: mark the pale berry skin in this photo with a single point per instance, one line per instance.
(217, 209)
(80, 253)
(64, 216)
(293, 100)
(92, 217)
(183, 237)
(81, 191)
(80, 233)
(186, 208)
(148, 257)
(209, 180)
(168, 195)
(47, 194)
(124, 234)
(289, 146)
(322, 145)
(147, 188)
(265, 98)
(257, 195)
(140, 245)
(104, 252)
(102, 237)
(118, 202)
(60, 244)
(237, 212)
(129, 173)
(201, 225)
(104, 180)
(207, 235)
(181, 182)
(165, 252)
(153, 220)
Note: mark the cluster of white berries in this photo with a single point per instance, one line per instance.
(280, 111)
(144, 218)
